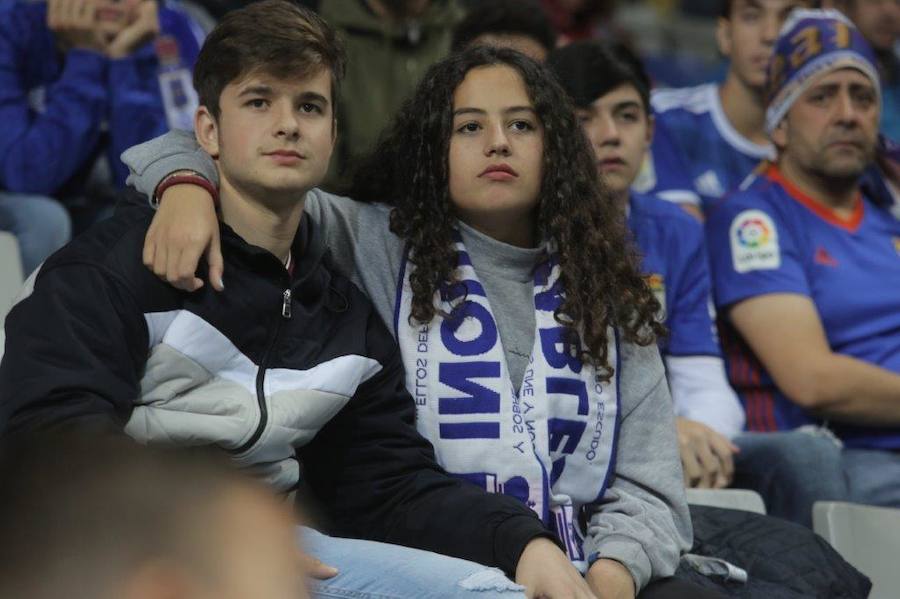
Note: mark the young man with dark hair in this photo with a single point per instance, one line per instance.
(717, 129)
(611, 92)
(805, 264)
(517, 24)
(104, 518)
(290, 365)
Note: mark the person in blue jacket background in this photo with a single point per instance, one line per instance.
(81, 81)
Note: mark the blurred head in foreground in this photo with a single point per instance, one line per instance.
(105, 518)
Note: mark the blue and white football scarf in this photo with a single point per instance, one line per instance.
(552, 444)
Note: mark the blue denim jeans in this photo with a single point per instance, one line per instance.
(791, 470)
(873, 476)
(370, 570)
(40, 224)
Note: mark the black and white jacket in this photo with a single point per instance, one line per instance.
(277, 371)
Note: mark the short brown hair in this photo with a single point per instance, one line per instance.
(275, 37)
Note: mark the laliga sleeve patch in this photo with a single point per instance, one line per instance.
(754, 242)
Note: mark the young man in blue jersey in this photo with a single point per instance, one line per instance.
(611, 93)
(718, 128)
(805, 264)
(80, 81)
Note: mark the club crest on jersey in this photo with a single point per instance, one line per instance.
(897, 244)
(754, 242)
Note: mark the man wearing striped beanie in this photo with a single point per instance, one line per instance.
(806, 265)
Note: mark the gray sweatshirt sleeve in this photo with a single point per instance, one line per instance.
(643, 519)
(361, 245)
(149, 163)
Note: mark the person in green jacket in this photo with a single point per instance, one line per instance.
(390, 44)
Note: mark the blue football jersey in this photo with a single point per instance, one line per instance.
(772, 238)
(664, 173)
(674, 259)
(717, 158)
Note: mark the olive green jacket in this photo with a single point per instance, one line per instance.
(385, 61)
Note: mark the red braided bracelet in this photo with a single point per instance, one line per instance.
(189, 180)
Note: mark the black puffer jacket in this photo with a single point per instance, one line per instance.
(783, 560)
(276, 371)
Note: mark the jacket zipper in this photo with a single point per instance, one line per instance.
(261, 376)
(286, 304)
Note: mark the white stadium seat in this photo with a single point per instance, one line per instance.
(10, 278)
(735, 499)
(867, 537)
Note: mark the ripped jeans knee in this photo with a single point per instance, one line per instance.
(371, 570)
(491, 582)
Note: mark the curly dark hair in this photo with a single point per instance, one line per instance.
(599, 266)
